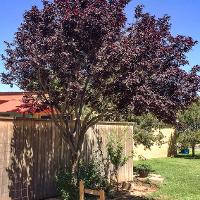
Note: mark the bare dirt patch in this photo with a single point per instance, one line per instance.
(139, 189)
(136, 190)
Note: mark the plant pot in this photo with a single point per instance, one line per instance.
(143, 174)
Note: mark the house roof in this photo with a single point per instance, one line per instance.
(12, 102)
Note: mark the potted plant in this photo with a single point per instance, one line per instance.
(143, 170)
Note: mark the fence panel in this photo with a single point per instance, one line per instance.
(32, 152)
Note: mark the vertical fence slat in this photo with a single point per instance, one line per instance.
(39, 148)
(81, 190)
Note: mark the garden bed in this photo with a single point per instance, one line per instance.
(139, 189)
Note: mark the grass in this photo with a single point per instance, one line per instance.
(182, 177)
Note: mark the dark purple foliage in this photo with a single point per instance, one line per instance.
(83, 61)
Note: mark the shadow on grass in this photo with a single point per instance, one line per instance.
(135, 198)
(132, 198)
(125, 196)
(188, 156)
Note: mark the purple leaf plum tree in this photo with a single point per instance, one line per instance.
(84, 63)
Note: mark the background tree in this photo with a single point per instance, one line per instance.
(145, 127)
(189, 131)
(147, 130)
(81, 60)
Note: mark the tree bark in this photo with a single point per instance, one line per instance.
(74, 136)
(117, 178)
(193, 150)
(74, 163)
(172, 151)
(76, 156)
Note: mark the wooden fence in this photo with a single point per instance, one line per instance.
(32, 153)
(83, 191)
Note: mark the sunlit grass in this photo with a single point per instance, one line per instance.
(182, 177)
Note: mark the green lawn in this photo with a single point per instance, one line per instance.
(182, 178)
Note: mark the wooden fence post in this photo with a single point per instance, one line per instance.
(81, 190)
(102, 195)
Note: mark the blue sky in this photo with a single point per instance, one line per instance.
(185, 19)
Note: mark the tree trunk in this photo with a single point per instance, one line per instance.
(74, 163)
(78, 143)
(193, 150)
(172, 151)
(117, 179)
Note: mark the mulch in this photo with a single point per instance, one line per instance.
(139, 191)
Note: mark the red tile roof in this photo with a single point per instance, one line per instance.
(12, 102)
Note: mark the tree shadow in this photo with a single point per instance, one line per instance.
(125, 196)
(188, 156)
(132, 197)
(36, 153)
(20, 169)
(35, 160)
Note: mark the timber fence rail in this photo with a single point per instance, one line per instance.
(83, 191)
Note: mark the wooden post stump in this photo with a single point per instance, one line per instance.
(83, 191)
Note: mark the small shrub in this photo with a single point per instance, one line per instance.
(66, 186)
(116, 156)
(92, 175)
(143, 169)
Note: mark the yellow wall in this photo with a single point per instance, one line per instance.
(156, 151)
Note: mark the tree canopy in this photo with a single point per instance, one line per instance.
(81, 59)
(189, 129)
